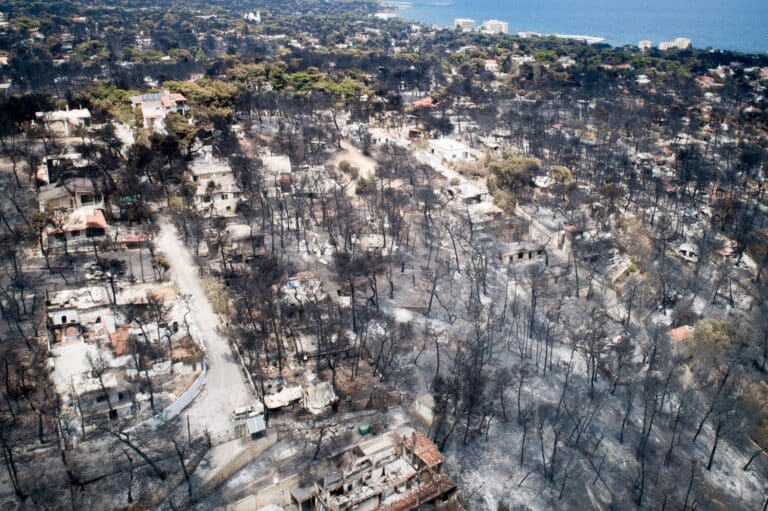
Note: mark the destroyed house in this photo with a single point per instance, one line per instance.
(312, 183)
(54, 167)
(76, 314)
(688, 252)
(372, 242)
(393, 472)
(513, 229)
(65, 123)
(108, 396)
(594, 247)
(69, 195)
(523, 252)
(319, 397)
(276, 164)
(239, 244)
(468, 193)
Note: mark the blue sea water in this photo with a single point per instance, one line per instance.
(739, 25)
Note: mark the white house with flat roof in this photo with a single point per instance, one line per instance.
(217, 192)
(63, 123)
(449, 149)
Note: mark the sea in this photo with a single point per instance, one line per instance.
(736, 25)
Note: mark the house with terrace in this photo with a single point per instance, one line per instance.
(217, 192)
(69, 195)
(155, 108)
(65, 123)
(77, 230)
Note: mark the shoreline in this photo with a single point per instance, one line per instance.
(396, 9)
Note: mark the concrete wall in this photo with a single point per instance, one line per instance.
(177, 406)
(276, 494)
(228, 468)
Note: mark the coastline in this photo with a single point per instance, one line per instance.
(434, 14)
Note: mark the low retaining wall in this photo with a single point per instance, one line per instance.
(278, 493)
(187, 396)
(249, 453)
(177, 406)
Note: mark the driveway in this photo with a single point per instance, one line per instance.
(225, 388)
(125, 134)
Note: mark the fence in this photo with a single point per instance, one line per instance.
(231, 434)
(188, 395)
(177, 406)
(233, 345)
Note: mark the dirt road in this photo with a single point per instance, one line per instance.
(225, 388)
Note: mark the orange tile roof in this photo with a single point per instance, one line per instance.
(80, 222)
(135, 238)
(166, 293)
(427, 102)
(119, 340)
(97, 219)
(680, 334)
(425, 449)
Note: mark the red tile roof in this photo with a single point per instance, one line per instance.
(135, 238)
(119, 340)
(427, 102)
(97, 219)
(425, 449)
(680, 334)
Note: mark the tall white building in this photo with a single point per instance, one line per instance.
(464, 23)
(645, 44)
(495, 27)
(681, 43)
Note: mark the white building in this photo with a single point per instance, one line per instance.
(523, 252)
(62, 123)
(253, 18)
(495, 27)
(680, 43)
(645, 45)
(666, 45)
(449, 149)
(217, 192)
(107, 397)
(155, 107)
(643, 80)
(492, 66)
(464, 24)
